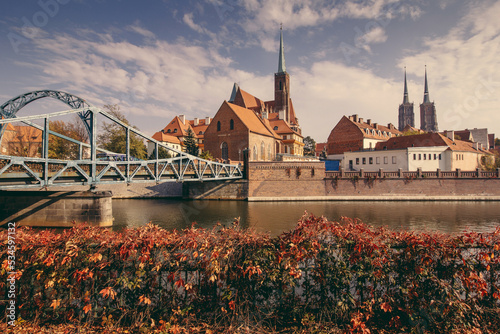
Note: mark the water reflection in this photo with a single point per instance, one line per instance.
(276, 217)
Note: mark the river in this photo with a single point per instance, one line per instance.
(277, 217)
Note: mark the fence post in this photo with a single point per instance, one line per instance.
(459, 173)
(381, 172)
(361, 173)
(498, 172)
(478, 172)
(400, 172)
(419, 172)
(341, 172)
(438, 172)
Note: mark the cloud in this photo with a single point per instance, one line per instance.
(159, 78)
(464, 70)
(373, 36)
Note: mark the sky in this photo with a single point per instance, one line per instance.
(157, 59)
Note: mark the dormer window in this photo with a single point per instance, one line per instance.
(168, 131)
(275, 128)
(200, 133)
(175, 130)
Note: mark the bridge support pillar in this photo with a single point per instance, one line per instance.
(56, 208)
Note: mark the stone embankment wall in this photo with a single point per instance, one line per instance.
(55, 208)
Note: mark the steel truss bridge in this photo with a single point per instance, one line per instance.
(41, 172)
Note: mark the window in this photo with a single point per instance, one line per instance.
(357, 161)
(281, 86)
(394, 160)
(175, 130)
(370, 160)
(419, 156)
(269, 152)
(425, 156)
(225, 151)
(275, 128)
(377, 160)
(364, 161)
(414, 157)
(262, 151)
(218, 125)
(434, 156)
(231, 124)
(386, 161)
(440, 157)
(255, 153)
(168, 131)
(200, 133)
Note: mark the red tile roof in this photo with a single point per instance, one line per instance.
(252, 121)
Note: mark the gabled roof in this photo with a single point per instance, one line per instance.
(281, 127)
(430, 139)
(249, 101)
(254, 123)
(177, 124)
(373, 130)
(165, 138)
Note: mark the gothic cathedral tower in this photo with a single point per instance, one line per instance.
(282, 84)
(428, 117)
(406, 115)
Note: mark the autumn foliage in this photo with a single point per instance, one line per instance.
(323, 274)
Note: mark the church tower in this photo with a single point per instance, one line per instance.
(282, 85)
(428, 117)
(406, 115)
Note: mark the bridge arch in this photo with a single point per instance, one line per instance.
(10, 108)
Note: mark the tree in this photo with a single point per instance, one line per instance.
(163, 153)
(206, 155)
(190, 143)
(24, 141)
(114, 136)
(309, 146)
(60, 148)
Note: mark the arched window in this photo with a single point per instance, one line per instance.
(200, 133)
(269, 152)
(275, 128)
(175, 130)
(225, 151)
(168, 131)
(231, 124)
(218, 125)
(262, 151)
(281, 85)
(255, 153)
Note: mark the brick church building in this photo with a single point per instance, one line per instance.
(265, 128)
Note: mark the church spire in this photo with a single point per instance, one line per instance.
(405, 97)
(281, 65)
(426, 88)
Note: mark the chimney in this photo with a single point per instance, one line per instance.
(264, 114)
(207, 120)
(196, 121)
(369, 121)
(355, 118)
(450, 134)
(375, 125)
(351, 118)
(360, 120)
(183, 119)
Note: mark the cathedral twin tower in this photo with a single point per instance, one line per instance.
(428, 118)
